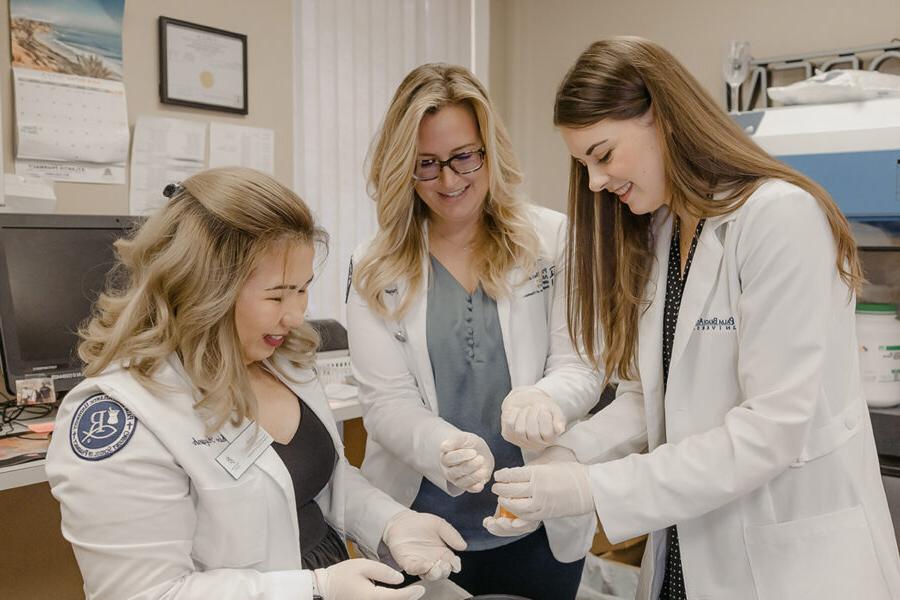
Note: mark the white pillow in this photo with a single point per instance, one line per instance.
(840, 85)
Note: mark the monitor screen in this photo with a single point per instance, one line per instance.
(52, 268)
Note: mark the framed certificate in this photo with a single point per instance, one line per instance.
(202, 67)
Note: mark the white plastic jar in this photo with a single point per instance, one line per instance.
(878, 332)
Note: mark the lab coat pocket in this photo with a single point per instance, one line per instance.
(827, 557)
(231, 525)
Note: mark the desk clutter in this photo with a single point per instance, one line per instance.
(25, 428)
(24, 433)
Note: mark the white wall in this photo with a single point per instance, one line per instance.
(37, 562)
(536, 41)
(350, 55)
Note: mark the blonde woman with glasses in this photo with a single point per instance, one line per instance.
(719, 285)
(199, 459)
(457, 330)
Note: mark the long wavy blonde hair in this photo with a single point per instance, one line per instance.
(179, 276)
(396, 254)
(705, 153)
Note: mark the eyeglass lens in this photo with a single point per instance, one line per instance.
(462, 163)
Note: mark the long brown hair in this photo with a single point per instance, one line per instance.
(705, 153)
(396, 253)
(178, 277)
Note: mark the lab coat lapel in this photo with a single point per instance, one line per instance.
(702, 278)
(272, 465)
(268, 462)
(504, 314)
(650, 332)
(416, 337)
(308, 388)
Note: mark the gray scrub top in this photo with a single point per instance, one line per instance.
(471, 378)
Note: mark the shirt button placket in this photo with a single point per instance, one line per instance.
(470, 338)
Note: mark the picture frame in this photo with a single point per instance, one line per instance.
(202, 67)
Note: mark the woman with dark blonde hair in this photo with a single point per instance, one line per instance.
(457, 329)
(200, 459)
(719, 286)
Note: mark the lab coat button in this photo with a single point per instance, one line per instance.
(851, 420)
(399, 336)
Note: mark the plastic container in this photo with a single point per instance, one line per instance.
(878, 332)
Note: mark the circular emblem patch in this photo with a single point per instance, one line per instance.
(101, 427)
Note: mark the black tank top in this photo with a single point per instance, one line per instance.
(309, 458)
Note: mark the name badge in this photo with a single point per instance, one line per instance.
(244, 449)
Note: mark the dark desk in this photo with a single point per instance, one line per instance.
(886, 426)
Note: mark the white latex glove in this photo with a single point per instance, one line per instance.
(352, 580)
(554, 454)
(421, 544)
(507, 527)
(530, 419)
(538, 492)
(467, 462)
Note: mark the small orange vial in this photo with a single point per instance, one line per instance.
(503, 513)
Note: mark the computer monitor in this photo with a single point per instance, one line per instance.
(52, 268)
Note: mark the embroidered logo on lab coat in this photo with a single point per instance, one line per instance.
(716, 324)
(541, 280)
(100, 428)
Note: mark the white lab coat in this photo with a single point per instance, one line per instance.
(161, 518)
(762, 452)
(400, 408)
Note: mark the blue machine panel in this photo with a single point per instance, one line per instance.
(864, 184)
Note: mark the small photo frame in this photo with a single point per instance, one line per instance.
(202, 67)
(35, 390)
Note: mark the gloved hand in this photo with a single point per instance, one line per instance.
(503, 526)
(352, 580)
(419, 543)
(530, 419)
(538, 492)
(467, 462)
(554, 454)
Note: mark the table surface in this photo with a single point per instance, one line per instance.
(443, 589)
(886, 427)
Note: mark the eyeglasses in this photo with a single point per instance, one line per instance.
(461, 164)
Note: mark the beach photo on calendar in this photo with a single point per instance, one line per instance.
(76, 37)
